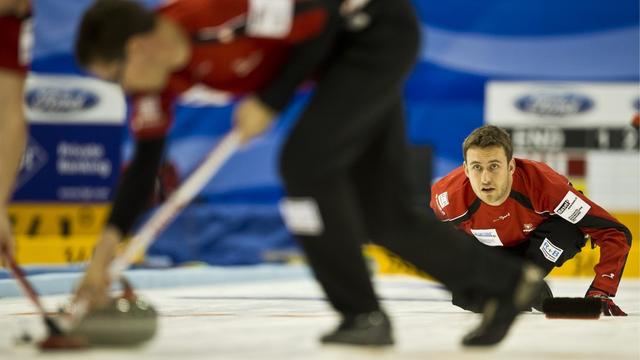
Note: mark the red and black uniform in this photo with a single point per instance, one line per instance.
(224, 57)
(544, 219)
(14, 34)
(345, 162)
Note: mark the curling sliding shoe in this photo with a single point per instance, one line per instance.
(544, 294)
(500, 313)
(366, 329)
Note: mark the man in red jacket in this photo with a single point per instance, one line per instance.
(527, 209)
(15, 33)
(344, 164)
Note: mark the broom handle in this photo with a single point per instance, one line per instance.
(24, 284)
(209, 167)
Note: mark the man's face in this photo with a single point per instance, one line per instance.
(14, 7)
(489, 173)
(142, 70)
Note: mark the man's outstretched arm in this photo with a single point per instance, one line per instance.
(13, 137)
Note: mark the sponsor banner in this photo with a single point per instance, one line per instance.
(73, 99)
(69, 163)
(558, 104)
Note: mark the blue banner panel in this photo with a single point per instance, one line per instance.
(70, 163)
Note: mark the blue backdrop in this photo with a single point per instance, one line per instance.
(465, 44)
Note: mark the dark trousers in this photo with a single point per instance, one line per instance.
(348, 153)
(550, 245)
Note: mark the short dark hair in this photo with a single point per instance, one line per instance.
(488, 136)
(105, 28)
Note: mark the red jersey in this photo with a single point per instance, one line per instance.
(14, 35)
(221, 59)
(537, 192)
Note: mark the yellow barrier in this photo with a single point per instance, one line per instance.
(66, 233)
(52, 249)
(56, 233)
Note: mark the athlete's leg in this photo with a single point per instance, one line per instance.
(554, 242)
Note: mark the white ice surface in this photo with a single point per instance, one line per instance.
(282, 319)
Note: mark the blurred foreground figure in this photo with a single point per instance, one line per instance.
(15, 32)
(344, 165)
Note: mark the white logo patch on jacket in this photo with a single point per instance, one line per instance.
(550, 251)
(270, 18)
(487, 236)
(442, 200)
(572, 208)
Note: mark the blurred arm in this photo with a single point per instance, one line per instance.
(13, 137)
(13, 131)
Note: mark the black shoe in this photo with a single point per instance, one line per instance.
(500, 313)
(545, 293)
(369, 329)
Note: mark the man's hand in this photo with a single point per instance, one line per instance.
(7, 243)
(609, 308)
(252, 117)
(94, 286)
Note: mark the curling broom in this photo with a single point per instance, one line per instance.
(81, 320)
(572, 308)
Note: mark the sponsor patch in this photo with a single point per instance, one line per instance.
(487, 236)
(148, 113)
(527, 228)
(269, 18)
(443, 200)
(572, 208)
(302, 216)
(550, 251)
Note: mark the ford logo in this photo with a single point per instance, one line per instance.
(58, 100)
(554, 104)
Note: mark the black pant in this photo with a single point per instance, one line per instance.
(550, 245)
(348, 153)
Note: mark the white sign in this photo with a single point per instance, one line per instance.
(73, 100)
(561, 104)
